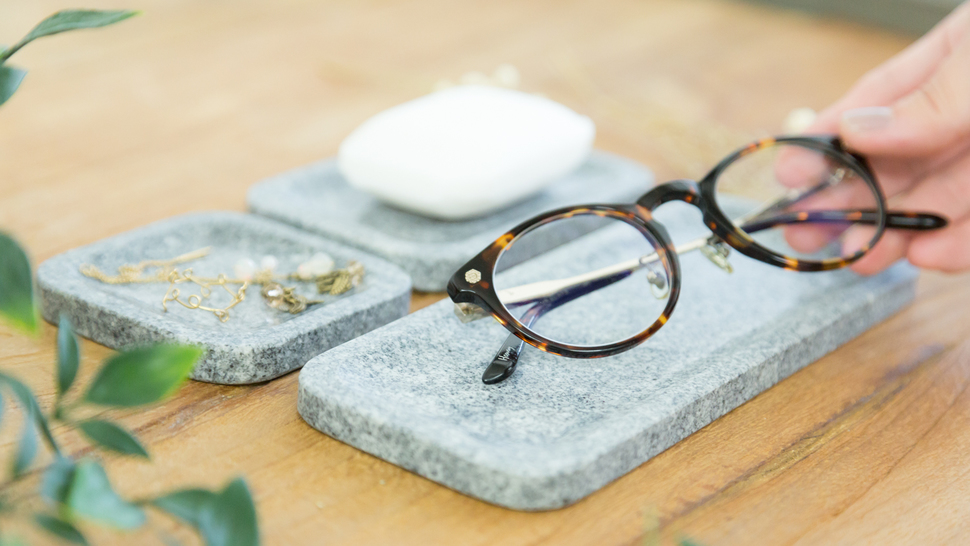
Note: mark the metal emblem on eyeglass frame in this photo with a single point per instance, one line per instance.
(472, 276)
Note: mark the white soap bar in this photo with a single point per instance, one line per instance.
(465, 151)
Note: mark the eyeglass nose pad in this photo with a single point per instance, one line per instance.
(659, 286)
(717, 252)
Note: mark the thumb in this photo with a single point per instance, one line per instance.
(932, 119)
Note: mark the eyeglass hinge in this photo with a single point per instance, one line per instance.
(468, 312)
(717, 251)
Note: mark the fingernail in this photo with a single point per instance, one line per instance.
(870, 118)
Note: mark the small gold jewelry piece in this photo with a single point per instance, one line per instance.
(131, 274)
(194, 301)
(285, 299)
(342, 280)
(275, 294)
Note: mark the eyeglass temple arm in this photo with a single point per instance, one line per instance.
(919, 221)
(716, 253)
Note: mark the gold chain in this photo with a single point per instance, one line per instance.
(131, 274)
(194, 301)
(275, 294)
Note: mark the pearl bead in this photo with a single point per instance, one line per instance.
(303, 272)
(268, 263)
(320, 264)
(244, 269)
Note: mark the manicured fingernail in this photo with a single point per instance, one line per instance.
(871, 118)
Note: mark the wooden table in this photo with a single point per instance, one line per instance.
(188, 105)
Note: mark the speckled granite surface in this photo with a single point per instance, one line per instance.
(257, 343)
(317, 198)
(559, 429)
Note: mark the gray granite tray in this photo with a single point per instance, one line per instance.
(560, 429)
(257, 343)
(318, 199)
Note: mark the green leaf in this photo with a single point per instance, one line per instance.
(10, 79)
(60, 528)
(229, 519)
(110, 436)
(90, 496)
(68, 356)
(186, 505)
(57, 480)
(74, 19)
(33, 419)
(27, 400)
(16, 285)
(223, 519)
(27, 448)
(142, 376)
(66, 20)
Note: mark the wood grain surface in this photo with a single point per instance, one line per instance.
(186, 106)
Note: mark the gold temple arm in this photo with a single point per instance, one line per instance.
(468, 312)
(541, 289)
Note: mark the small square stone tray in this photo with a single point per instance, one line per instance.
(560, 429)
(257, 343)
(318, 199)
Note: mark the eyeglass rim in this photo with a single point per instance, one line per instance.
(743, 243)
(635, 216)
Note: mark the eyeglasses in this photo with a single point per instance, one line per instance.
(799, 203)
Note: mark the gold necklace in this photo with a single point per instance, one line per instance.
(276, 295)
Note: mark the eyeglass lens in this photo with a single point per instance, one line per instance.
(598, 294)
(799, 202)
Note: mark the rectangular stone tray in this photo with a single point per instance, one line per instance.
(258, 342)
(560, 429)
(318, 199)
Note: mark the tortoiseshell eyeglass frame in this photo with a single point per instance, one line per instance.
(473, 282)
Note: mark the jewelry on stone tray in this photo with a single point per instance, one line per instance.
(318, 270)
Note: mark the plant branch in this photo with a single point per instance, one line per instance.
(11, 50)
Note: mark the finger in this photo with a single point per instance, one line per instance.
(933, 119)
(944, 250)
(895, 175)
(798, 167)
(808, 239)
(945, 192)
(901, 75)
(892, 246)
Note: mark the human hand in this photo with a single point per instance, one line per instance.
(911, 118)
